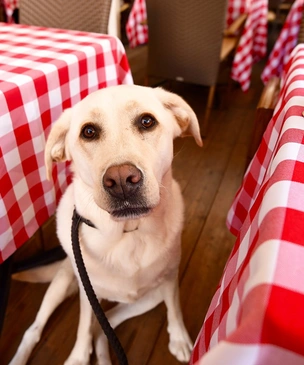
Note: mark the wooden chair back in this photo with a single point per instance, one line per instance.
(88, 15)
(263, 115)
(188, 42)
(185, 38)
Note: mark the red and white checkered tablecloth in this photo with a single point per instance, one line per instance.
(285, 43)
(253, 41)
(234, 9)
(136, 29)
(256, 315)
(9, 7)
(42, 72)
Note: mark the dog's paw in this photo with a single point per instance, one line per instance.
(103, 357)
(181, 349)
(72, 361)
(81, 352)
(102, 353)
(79, 360)
(104, 361)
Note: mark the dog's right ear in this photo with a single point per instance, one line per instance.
(184, 115)
(55, 148)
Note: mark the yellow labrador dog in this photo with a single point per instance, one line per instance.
(120, 143)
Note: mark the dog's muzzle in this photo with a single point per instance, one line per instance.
(123, 184)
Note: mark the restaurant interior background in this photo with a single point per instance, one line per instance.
(242, 247)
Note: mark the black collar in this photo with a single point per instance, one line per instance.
(81, 219)
(88, 222)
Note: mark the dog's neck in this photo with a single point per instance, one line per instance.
(131, 226)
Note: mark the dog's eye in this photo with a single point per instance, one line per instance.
(147, 121)
(89, 132)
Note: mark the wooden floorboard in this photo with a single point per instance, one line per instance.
(209, 178)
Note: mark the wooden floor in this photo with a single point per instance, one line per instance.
(209, 178)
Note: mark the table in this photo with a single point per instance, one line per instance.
(114, 16)
(285, 43)
(42, 72)
(253, 42)
(256, 315)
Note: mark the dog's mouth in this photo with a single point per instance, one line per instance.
(130, 212)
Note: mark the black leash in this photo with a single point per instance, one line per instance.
(99, 313)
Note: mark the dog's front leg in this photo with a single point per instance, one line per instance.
(180, 344)
(120, 313)
(82, 349)
(101, 346)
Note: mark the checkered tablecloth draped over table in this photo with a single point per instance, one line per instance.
(253, 43)
(285, 43)
(234, 9)
(256, 315)
(136, 27)
(42, 72)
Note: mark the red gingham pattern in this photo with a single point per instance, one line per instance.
(234, 9)
(42, 72)
(285, 43)
(253, 43)
(256, 315)
(137, 32)
(9, 7)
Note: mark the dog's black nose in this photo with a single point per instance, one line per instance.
(122, 181)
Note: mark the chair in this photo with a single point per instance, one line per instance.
(186, 42)
(263, 115)
(278, 9)
(87, 16)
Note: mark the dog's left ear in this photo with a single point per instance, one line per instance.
(186, 119)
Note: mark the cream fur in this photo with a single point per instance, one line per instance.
(132, 259)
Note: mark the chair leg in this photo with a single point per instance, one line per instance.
(208, 110)
(225, 101)
(5, 281)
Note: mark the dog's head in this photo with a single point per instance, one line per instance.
(120, 142)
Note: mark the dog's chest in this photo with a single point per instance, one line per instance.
(132, 266)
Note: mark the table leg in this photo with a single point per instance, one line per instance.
(5, 281)
(43, 258)
(7, 268)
